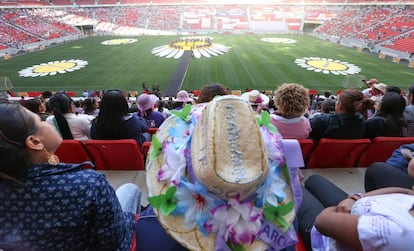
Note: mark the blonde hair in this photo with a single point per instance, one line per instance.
(291, 100)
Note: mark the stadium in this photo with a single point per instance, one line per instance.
(96, 45)
(89, 69)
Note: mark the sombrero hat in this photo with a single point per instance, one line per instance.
(217, 178)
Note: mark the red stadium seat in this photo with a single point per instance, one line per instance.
(331, 153)
(381, 149)
(152, 130)
(145, 147)
(306, 145)
(72, 151)
(122, 154)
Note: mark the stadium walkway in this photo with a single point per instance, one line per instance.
(351, 180)
(178, 77)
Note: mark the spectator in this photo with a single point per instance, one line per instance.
(181, 100)
(91, 106)
(211, 90)
(257, 100)
(409, 113)
(330, 219)
(64, 119)
(36, 105)
(375, 90)
(114, 121)
(389, 119)
(47, 205)
(147, 109)
(161, 104)
(346, 122)
(221, 203)
(292, 102)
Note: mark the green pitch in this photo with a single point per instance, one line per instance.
(249, 63)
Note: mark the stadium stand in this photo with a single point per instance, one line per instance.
(389, 27)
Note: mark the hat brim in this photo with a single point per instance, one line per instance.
(265, 99)
(184, 100)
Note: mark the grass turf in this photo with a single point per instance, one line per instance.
(250, 63)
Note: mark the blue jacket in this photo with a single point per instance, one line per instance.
(62, 208)
(397, 159)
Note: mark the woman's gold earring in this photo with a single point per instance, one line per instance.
(52, 159)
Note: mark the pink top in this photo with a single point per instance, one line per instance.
(294, 128)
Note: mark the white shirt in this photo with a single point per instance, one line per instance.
(79, 125)
(384, 224)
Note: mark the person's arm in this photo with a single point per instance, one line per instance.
(345, 205)
(338, 223)
(339, 226)
(111, 228)
(410, 168)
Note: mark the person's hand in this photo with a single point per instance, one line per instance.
(345, 206)
(259, 108)
(408, 155)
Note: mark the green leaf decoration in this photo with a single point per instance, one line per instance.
(184, 113)
(285, 172)
(275, 214)
(156, 148)
(264, 120)
(235, 247)
(166, 203)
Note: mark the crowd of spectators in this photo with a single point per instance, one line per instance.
(324, 209)
(385, 25)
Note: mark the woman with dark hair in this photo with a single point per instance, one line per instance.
(409, 113)
(65, 120)
(91, 106)
(389, 119)
(37, 106)
(114, 121)
(47, 205)
(210, 90)
(347, 122)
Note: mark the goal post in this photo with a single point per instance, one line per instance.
(353, 81)
(5, 84)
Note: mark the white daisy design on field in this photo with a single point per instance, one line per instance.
(278, 40)
(200, 47)
(53, 68)
(119, 41)
(327, 66)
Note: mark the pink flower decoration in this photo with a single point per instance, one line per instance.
(239, 222)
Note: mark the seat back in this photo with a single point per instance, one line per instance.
(145, 147)
(331, 153)
(306, 145)
(72, 151)
(381, 149)
(153, 130)
(122, 154)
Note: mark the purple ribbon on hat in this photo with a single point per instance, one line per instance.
(269, 233)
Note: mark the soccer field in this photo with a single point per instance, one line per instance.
(245, 62)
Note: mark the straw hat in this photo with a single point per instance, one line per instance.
(381, 87)
(255, 97)
(216, 177)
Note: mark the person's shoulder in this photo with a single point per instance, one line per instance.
(375, 120)
(324, 117)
